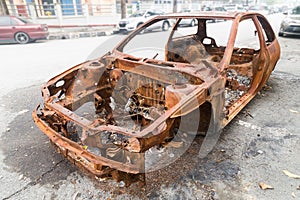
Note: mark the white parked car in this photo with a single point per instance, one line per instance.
(261, 9)
(140, 17)
(234, 8)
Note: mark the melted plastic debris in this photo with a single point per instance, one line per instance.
(237, 86)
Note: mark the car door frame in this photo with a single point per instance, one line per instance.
(260, 64)
(271, 45)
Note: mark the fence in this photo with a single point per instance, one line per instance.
(53, 10)
(62, 14)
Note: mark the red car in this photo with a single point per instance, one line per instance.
(15, 29)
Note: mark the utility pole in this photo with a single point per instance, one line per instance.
(123, 9)
(174, 6)
(3, 7)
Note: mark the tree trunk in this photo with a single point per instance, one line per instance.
(3, 7)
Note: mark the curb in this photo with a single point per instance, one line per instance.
(76, 35)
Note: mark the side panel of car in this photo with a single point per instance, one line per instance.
(34, 31)
(263, 61)
(17, 26)
(6, 28)
(271, 44)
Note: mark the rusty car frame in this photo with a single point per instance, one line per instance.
(106, 113)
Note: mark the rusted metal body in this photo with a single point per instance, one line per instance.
(106, 113)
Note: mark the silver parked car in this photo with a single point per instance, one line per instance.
(290, 25)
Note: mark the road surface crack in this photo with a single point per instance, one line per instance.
(34, 182)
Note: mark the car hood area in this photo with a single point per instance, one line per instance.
(131, 19)
(294, 17)
(124, 103)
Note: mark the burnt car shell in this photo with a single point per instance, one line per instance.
(153, 94)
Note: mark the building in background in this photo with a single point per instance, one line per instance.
(43, 7)
(52, 8)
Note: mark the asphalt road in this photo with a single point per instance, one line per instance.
(255, 147)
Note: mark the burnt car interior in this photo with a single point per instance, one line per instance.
(123, 104)
(242, 66)
(194, 48)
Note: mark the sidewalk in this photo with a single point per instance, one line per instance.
(72, 27)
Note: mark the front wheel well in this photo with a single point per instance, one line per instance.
(196, 121)
(167, 22)
(139, 24)
(165, 25)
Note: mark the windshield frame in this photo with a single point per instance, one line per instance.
(178, 18)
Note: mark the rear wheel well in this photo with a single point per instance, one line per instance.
(22, 37)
